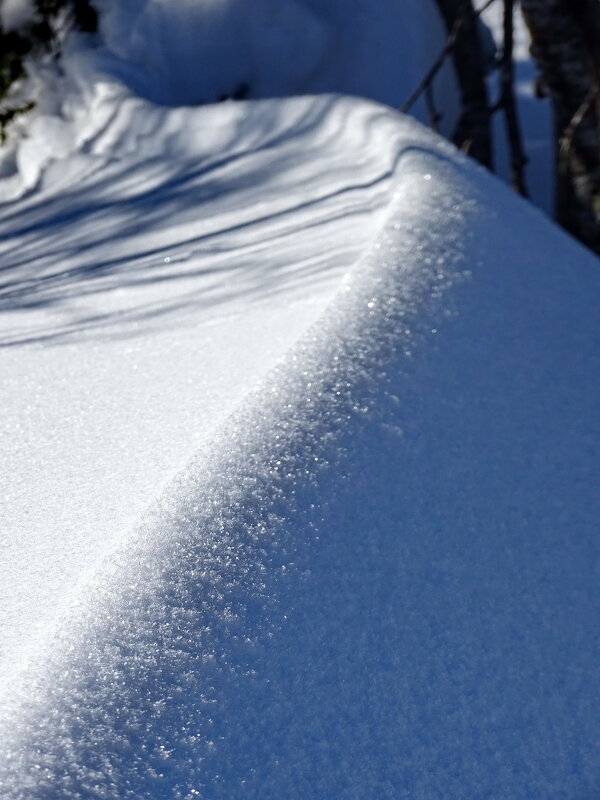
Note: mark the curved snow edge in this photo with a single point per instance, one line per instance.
(317, 387)
(143, 689)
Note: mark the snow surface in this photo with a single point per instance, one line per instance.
(15, 13)
(153, 276)
(300, 439)
(379, 578)
(197, 50)
(185, 52)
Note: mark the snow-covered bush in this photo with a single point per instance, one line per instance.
(33, 28)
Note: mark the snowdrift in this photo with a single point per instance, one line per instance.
(191, 52)
(377, 575)
(146, 286)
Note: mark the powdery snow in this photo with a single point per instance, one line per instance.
(299, 419)
(185, 52)
(15, 13)
(378, 578)
(198, 50)
(143, 291)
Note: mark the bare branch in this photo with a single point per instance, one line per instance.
(439, 62)
(434, 115)
(464, 46)
(508, 104)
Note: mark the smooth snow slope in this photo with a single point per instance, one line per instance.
(144, 288)
(379, 578)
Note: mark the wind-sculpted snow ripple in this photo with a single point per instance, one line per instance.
(159, 680)
(144, 289)
(376, 581)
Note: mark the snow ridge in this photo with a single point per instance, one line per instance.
(315, 608)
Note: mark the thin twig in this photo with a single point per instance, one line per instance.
(440, 60)
(435, 117)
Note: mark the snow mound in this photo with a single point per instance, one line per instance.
(191, 52)
(377, 578)
(15, 13)
(165, 269)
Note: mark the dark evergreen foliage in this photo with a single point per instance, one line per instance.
(39, 35)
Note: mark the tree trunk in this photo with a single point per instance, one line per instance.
(566, 46)
(473, 131)
(508, 104)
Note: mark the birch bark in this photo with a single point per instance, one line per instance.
(566, 46)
